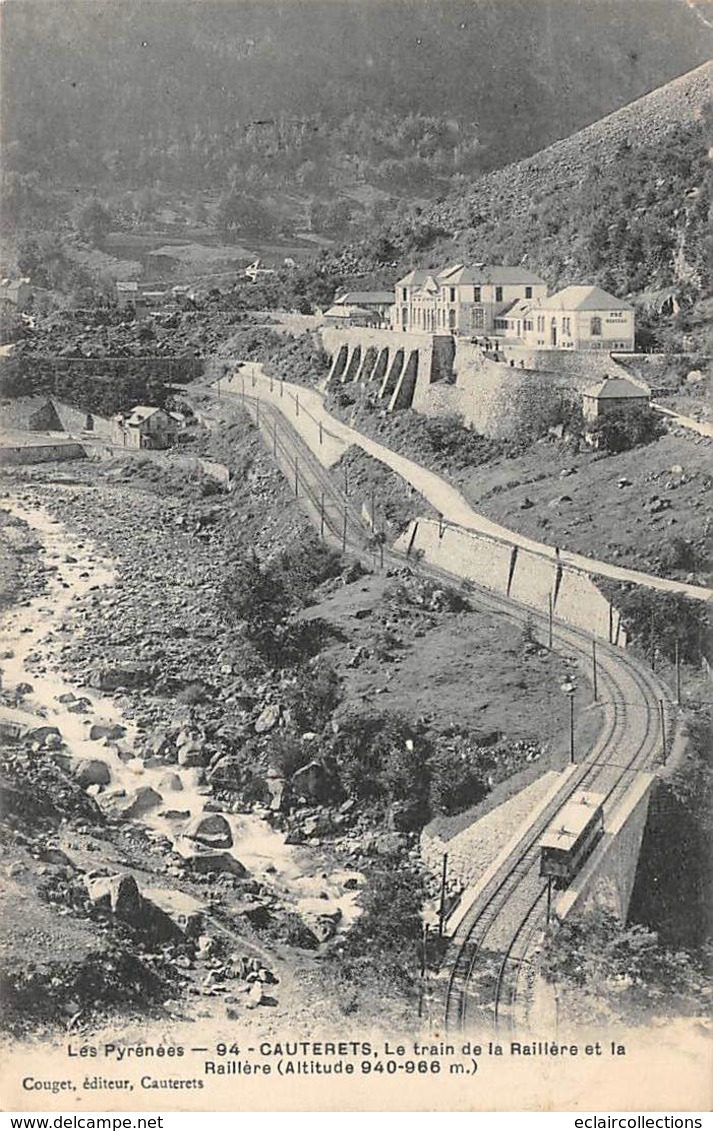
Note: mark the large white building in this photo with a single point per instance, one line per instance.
(460, 300)
(579, 318)
(511, 304)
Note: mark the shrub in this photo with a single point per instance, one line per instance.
(623, 428)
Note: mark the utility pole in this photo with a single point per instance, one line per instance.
(678, 671)
(346, 481)
(344, 532)
(549, 620)
(282, 385)
(571, 728)
(662, 716)
(652, 630)
(549, 898)
(257, 413)
(594, 669)
(321, 432)
(373, 511)
(274, 438)
(381, 547)
(321, 515)
(297, 477)
(297, 404)
(442, 902)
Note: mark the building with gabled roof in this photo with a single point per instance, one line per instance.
(459, 299)
(577, 317)
(146, 426)
(613, 393)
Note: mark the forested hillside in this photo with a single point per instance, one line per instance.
(406, 94)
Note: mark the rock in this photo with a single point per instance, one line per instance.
(92, 771)
(175, 814)
(170, 783)
(268, 718)
(310, 781)
(128, 674)
(118, 893)
(212, 830)
(23, 689)
(526, 504)
(254, 995)
(106, 730)
(68, 697)
(205, 861)
(139, 802)
(276, 784)
(52, 855)
(47, 736)
(192, 754)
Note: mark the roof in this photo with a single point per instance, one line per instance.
(483, 273)
(617, 388)
(364, 298)
(571, 821)
(584, 298)
(414, 278)
(120, 286)
(518, 309)
(141, 412)
(348, 312)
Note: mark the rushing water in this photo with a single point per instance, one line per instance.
(77, 570)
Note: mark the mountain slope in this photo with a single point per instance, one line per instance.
(87, 76)
(624, 203)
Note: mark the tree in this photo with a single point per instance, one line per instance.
(93, 221)
(620, 429)
(238, 213)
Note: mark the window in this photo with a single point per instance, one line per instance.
(404, 294)
(566, 326)
(528, 292)
(540, 323)
(595, 327)
(476, 294)
(452, 294)
(528, 324)
(498, 294)
(478, 317)
(451, 319)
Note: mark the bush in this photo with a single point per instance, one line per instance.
(624, 428)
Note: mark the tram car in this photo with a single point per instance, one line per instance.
(571, 837)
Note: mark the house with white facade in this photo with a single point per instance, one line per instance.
(576, 318)
(461, 300)
(510, 305)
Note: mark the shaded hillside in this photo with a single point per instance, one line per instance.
(97, 91)
(624, 203)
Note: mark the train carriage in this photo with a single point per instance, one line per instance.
(571, 837)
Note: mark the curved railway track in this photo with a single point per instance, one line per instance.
(490, 967)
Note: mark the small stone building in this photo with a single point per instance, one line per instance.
(146, 426)
(610, 394)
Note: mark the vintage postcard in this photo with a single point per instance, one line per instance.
(355, 456)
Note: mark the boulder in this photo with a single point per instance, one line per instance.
(268, 718)
(170, 783)
(192, 754)
(46, 735)
(310, 782)
(128, 674)
(119, 893)
(139, 802)
(210, 829)
(92, 771)
(206, 861)
(106, 730)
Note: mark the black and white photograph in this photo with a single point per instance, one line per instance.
(355, 473)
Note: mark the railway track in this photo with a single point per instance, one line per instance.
(493, 953)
